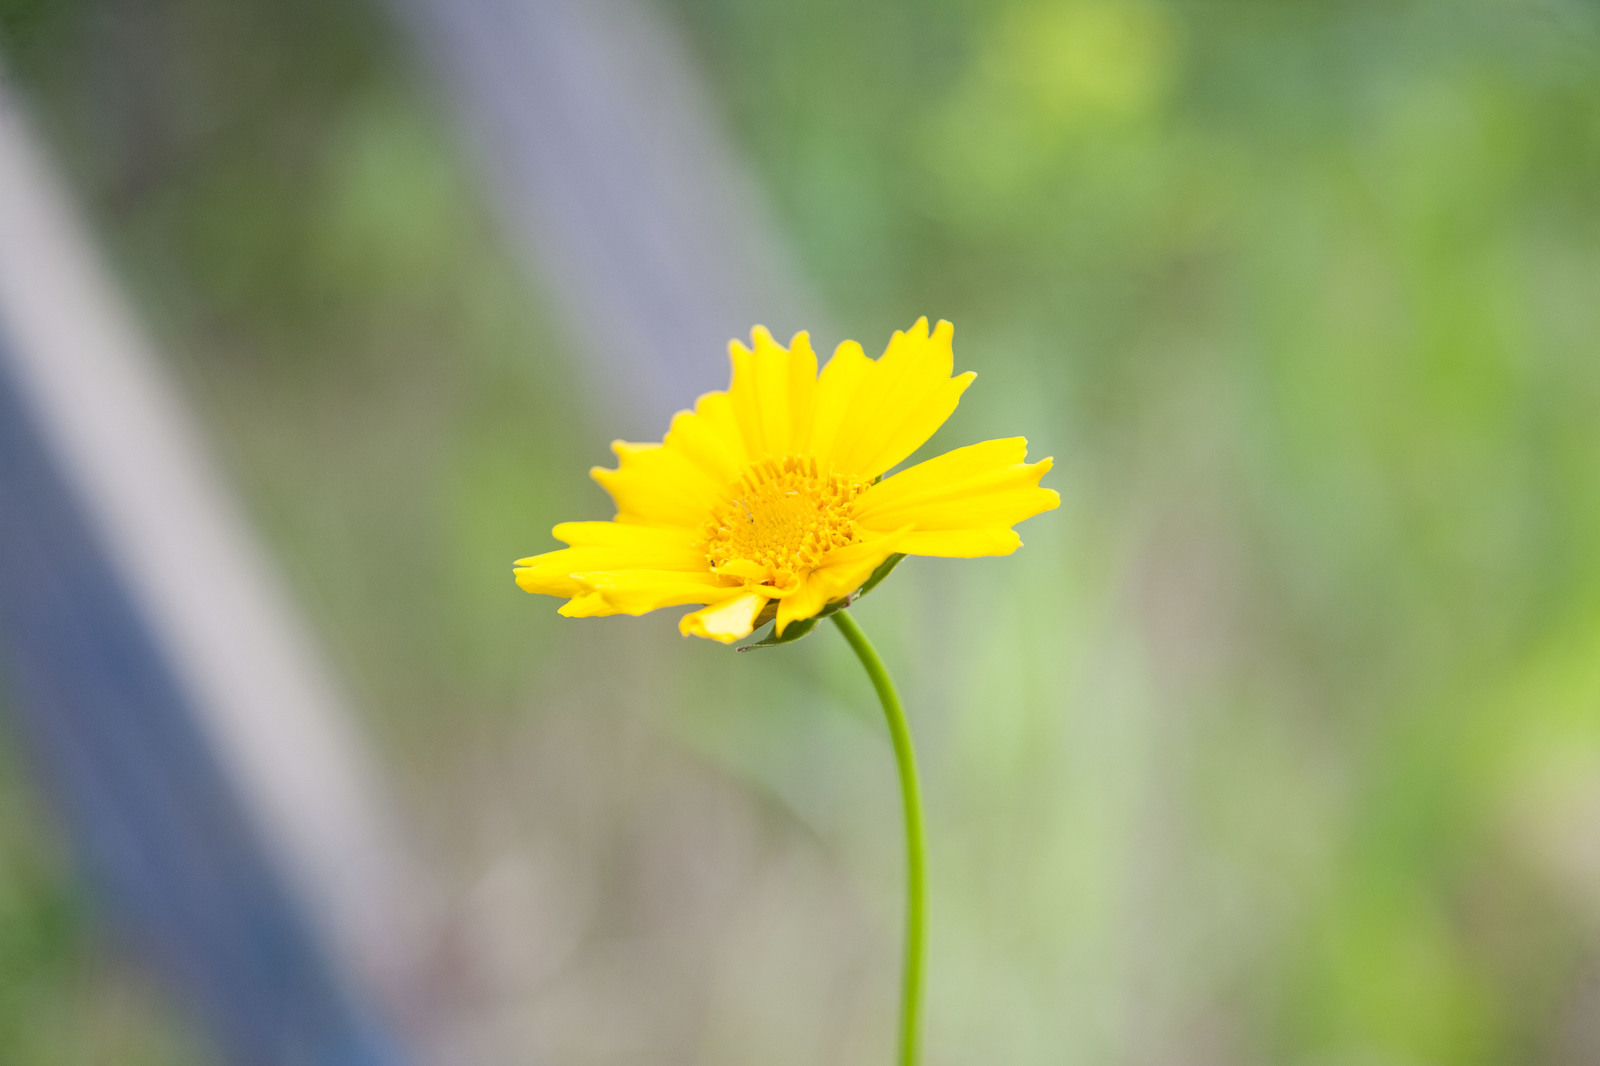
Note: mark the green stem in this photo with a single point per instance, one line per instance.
(911, 793)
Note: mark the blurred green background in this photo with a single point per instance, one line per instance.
(1278, 744)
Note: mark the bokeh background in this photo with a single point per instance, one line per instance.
(1279, 743)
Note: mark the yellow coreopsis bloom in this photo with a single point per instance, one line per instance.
(773, 491)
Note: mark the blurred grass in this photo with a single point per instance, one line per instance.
(1278, 744)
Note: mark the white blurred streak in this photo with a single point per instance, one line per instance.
(138, 465)
(609, 166)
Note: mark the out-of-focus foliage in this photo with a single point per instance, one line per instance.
(1307, 300)
(1280, 743)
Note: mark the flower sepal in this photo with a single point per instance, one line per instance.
(801, 627)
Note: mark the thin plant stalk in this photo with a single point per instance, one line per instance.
(911, 795)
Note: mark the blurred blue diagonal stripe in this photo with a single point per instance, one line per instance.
(156, 823)
(218, 801)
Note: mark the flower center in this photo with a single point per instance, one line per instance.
(780, 519)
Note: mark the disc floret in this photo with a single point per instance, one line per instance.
(779, 521)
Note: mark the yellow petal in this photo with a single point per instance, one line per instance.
(659, 486)
(935, 475)
(727, 621)
(962, 543)
(643, 541)
(845, 570)
(772, 392)
(608, 546)
(899, 402)
(586, 605)
(779, 583)
(802, 392)
(982, 488)
(710, 437)
(811, 598)
(640, 591)
(836, 391)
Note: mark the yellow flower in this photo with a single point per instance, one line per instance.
(772, 492)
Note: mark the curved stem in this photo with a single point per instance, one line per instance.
(911, 794)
